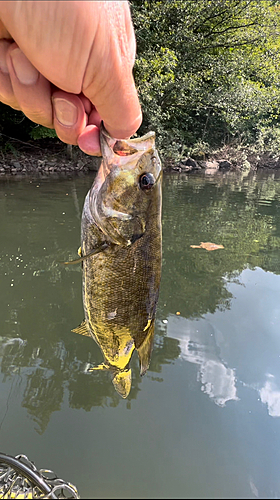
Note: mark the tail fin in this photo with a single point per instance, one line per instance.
(122, 382)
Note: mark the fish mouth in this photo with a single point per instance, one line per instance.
(114, 220)
(122, 382)
(123, 152)
(159, 177)
(116, 144)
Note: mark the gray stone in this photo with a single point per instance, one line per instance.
(212, 165)
(224, 164)
(17, 165)
(188, 162)
(185, 168)
(202, 163)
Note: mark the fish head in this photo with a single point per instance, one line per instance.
(126, 186)
(122, 382)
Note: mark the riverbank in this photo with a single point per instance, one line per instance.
(44, 158)
(50, 156)
(229, 158)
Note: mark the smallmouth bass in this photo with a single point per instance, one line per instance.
(121, 254)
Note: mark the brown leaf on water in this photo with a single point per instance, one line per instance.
(208, 246)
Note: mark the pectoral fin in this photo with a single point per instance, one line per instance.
(93, 252)
(145, 349)
(99, 367)
(82, 330)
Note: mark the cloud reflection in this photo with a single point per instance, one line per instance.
(270, 395)
(219, 381)
(198, 345)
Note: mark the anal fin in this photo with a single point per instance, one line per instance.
(82, 329)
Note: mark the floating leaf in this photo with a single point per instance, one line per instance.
(208, 246)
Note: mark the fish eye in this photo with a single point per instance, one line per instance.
(146, 181)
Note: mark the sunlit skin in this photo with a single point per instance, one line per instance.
(68, 65)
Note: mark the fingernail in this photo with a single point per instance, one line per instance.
(24, 70)
(66, 112)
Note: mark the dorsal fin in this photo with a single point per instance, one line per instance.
(145, 349)
(82, 330)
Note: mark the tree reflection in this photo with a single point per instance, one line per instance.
(37, 344)
(241, 214)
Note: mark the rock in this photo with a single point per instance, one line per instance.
(187, 165)
(245, 166)
(212, 165)
(277, 164)
(267, 162)
(183, 168)
(202, 163)
(224, 165)
(80, 164)
(17, 165)
(188, 162)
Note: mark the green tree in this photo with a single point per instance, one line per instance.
(207, 70)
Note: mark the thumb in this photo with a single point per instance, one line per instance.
(119, 109)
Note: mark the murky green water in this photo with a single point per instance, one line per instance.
(204, 422)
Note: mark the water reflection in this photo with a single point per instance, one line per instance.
(270, 395)
(198, 345)
(41, 301)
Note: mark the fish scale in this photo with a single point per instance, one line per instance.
(121, 254)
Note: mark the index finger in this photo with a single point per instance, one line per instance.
(108, 80)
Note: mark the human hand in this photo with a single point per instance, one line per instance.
(68, 65)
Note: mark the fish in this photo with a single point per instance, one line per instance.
(121, 254)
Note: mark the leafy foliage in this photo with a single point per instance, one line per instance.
(14, 124)
(40, 132)
(207, 70)
(207, 73)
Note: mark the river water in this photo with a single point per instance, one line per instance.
(204, 422)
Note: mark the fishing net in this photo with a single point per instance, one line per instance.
(19, 478)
